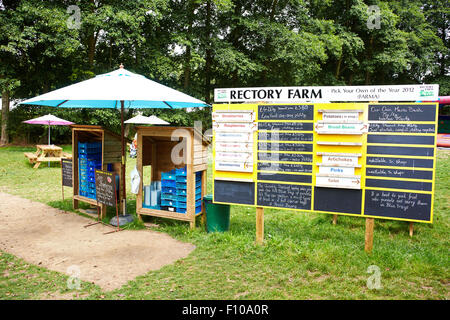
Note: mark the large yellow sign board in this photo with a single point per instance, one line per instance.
(359, 159)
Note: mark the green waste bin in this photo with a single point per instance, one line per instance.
(217, 215)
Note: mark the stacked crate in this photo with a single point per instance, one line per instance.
(89, 159)
(174, 191)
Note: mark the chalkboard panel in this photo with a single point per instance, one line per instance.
(281, 146)
(400, 162)
(399, 173)
(234, 192)
(286, 126)
(286, 112)
(401, 205)
(284, 177)
(285, 167)
(285, 136)
(337, 200)
(284, 196)
(402, 127)
(105, 187)
(403, 139)
(401, 151)
(398, 184)
(66, 168)
(291, 157)
(386, 112)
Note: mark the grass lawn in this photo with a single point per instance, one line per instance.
(304, 256)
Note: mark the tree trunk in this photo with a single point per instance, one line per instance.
(5, 112)
(208, 58)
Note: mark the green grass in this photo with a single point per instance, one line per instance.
(304, 256)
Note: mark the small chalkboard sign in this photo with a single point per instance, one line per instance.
(66, 168)
(105, 185)
(285, 136)
(234, 192)
(400, 205)
(285, 126)
(286, 112)
(292, 196)
(402, 112)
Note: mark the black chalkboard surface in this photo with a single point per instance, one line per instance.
(290, 196)
(402, 112)
(285, 126)
(286, 112)
(337, 200)
(282, 146)
(105, 185)
(234, 192)
(285, 136)
(401, 205)
(401, 127)
(292, 157)
(66, 168)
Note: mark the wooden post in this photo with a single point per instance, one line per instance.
(190, 177)
(411, 229)
(335, 219)
(369, 235)
(141, 172)
(259, 225)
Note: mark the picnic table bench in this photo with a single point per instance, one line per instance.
(46, 153)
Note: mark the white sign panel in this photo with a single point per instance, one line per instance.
(337, 170)
(339, 160)
(244, 116)
(234, 156)
(338, 182)
(234, 146)
(340, 116)
(425, 92)
(234, 136)
(235, 126)
(341, 128)
(234, 166)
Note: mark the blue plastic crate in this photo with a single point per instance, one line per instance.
(169, 190)
(168, 175)
(181, 172)
(92, 195)
(181, 178)
(168, 196)
(167, 208)
(168, 203)
(183, 185)
(182, 197)
(91, 179)
(198, 209)
(181, 204)
(91, 185)
(83, 193)
(168, 183)
(181, 191)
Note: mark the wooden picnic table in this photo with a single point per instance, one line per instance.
(46, 153)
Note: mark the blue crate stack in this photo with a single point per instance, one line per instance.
(173, 190)
(89, 159)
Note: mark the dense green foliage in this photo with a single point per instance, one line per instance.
(195, 46)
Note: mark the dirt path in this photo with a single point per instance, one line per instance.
(50, 238)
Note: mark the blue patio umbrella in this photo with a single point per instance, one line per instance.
(117, 89)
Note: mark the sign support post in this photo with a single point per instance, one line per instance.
(259, 225)
(335, 219)
(411, 229)
(369, 235)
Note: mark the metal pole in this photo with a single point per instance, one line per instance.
(49, 138)
(122, 130)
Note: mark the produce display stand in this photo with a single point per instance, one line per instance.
(111, 158)
(155, 148)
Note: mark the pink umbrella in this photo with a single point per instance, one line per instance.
(49, 120)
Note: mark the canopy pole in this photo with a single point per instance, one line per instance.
(48, 140)
(122, 131)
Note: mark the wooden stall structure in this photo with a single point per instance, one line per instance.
(111, 156)
(168, 148)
